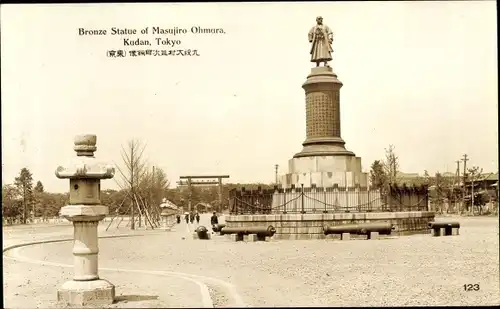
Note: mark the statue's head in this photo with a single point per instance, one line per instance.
(319, 20)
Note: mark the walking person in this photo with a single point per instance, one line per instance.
(191, 217)
(186, 216)
(197, 218)
(178, 218)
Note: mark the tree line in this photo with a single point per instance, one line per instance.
(142, 186)
(446, 193)
(22, 199)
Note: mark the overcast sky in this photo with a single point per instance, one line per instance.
(419, 75)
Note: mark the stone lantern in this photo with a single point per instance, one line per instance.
(85, 211)
(167, 213)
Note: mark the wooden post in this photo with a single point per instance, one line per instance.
(302, 200)
(220, 195)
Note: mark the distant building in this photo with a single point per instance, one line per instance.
(407, 175)
(484, 185)
(448, 174)
(408, 178)
(203, 207)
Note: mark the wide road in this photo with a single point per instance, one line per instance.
(170, 269)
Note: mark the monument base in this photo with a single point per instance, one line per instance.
(310, 226)
(325, 171)
(84, 293)
(324, 146)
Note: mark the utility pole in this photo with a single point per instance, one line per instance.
(465, 166)
(276, 173)
(464, 179)
(476, 173)
(472, 194)
(456, 181)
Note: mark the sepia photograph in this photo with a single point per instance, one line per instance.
(271, 154)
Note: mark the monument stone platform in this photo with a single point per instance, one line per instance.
(325, 171)
(325, 184)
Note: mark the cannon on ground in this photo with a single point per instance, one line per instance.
(371, 230)
(201, 232)
(217, 227)
(252, 233)
(444, 228)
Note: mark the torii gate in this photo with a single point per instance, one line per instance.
(203, 180)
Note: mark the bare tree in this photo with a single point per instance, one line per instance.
(132, 174)
(391, 165)
(152, 188)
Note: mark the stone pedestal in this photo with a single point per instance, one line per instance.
(235, 237)
(250, 238)
(83, 293)
(165, 220)
(324, 160)
(325, 171)
(373, 235)
(168, 211)
(85, 212)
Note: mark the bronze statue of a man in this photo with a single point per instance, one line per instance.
(321, 38)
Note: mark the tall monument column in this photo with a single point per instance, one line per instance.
(324, 161)
(322, 90)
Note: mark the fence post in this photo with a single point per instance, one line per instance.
(388, 202)
(243, 206)
(402, 206)
(276, 193)
(259, 207)
(336, 203)
(302, 197)
(252, 201)
(313, 193)
(324, 193)
(284, 200)
(358, 193)
(426, 199)
(369, 199)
